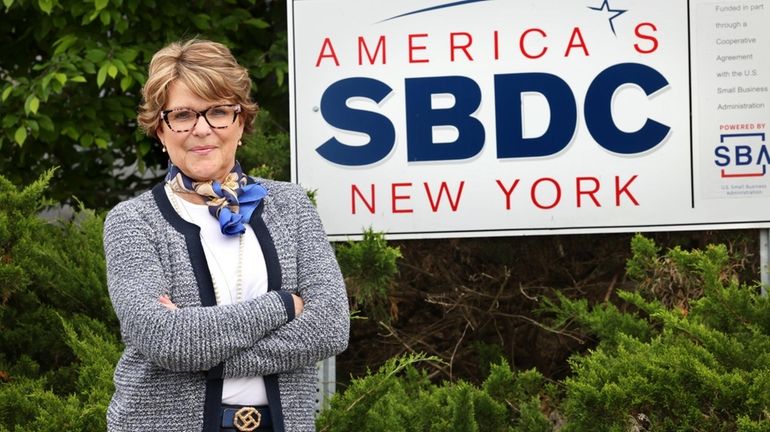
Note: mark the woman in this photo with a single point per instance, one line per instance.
(226, 287)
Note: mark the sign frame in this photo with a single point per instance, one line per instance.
(427, 198)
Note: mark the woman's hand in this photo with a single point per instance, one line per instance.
(166, 301)
(299, 304)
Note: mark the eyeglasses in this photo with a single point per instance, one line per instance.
(185, 119)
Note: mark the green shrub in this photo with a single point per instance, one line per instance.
(59, 334)
(28, 404)
(369, 266)
(701, 362)
(399, 397)
(695, 359)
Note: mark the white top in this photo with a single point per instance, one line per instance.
(222, 257)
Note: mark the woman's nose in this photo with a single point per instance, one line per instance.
(201, 127)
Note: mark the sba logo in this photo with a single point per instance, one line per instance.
(742, 155)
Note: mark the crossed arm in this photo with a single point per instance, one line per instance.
(165, 300)
(251, 338)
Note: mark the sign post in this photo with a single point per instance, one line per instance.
(764, 259)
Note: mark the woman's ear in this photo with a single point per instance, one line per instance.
(159, 134)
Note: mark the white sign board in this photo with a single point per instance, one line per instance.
(429, 119)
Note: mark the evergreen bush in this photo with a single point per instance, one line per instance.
(401, 397)
(369, 266)
(695, 360)
(699, 363)
(59, 334)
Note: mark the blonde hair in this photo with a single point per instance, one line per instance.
(207, 68)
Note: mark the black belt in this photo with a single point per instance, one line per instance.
(246, 418)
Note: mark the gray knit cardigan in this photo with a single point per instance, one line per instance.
(169, 377)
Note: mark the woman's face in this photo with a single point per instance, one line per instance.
(203, 153)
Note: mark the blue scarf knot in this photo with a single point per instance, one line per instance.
(231, 202)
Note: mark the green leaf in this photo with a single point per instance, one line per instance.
(7, 92)
(45, 81)
(78, 79)
(121, 25)
(62, 78)
(126, 82)
(32, 105)
(8, 4)
(87, 139)
(46, 6)
(143, 148)
(104, 16)
(112, 70)
(71, 132)
(21, 135)
(9, 121)
(101, 4)
(63, 43)
(45, 123)
(88, 18)
(128, 55)
(139, 77)
(201, 21)
(101, 143)
(88, 67)
(101, 76)
(32, 125)
(120, 65)
(47, 92)
(258, 23)
(96, 55)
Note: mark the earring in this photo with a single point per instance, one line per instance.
(240, 143)
(163, 149)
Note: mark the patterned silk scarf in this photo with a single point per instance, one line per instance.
(232, 202)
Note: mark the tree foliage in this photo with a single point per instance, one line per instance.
(70, 75)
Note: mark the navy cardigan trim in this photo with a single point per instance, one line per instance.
(288, 303)
(192, 238)
(273, 284)
(191, 232)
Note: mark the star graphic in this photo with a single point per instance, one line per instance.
(606, 6)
